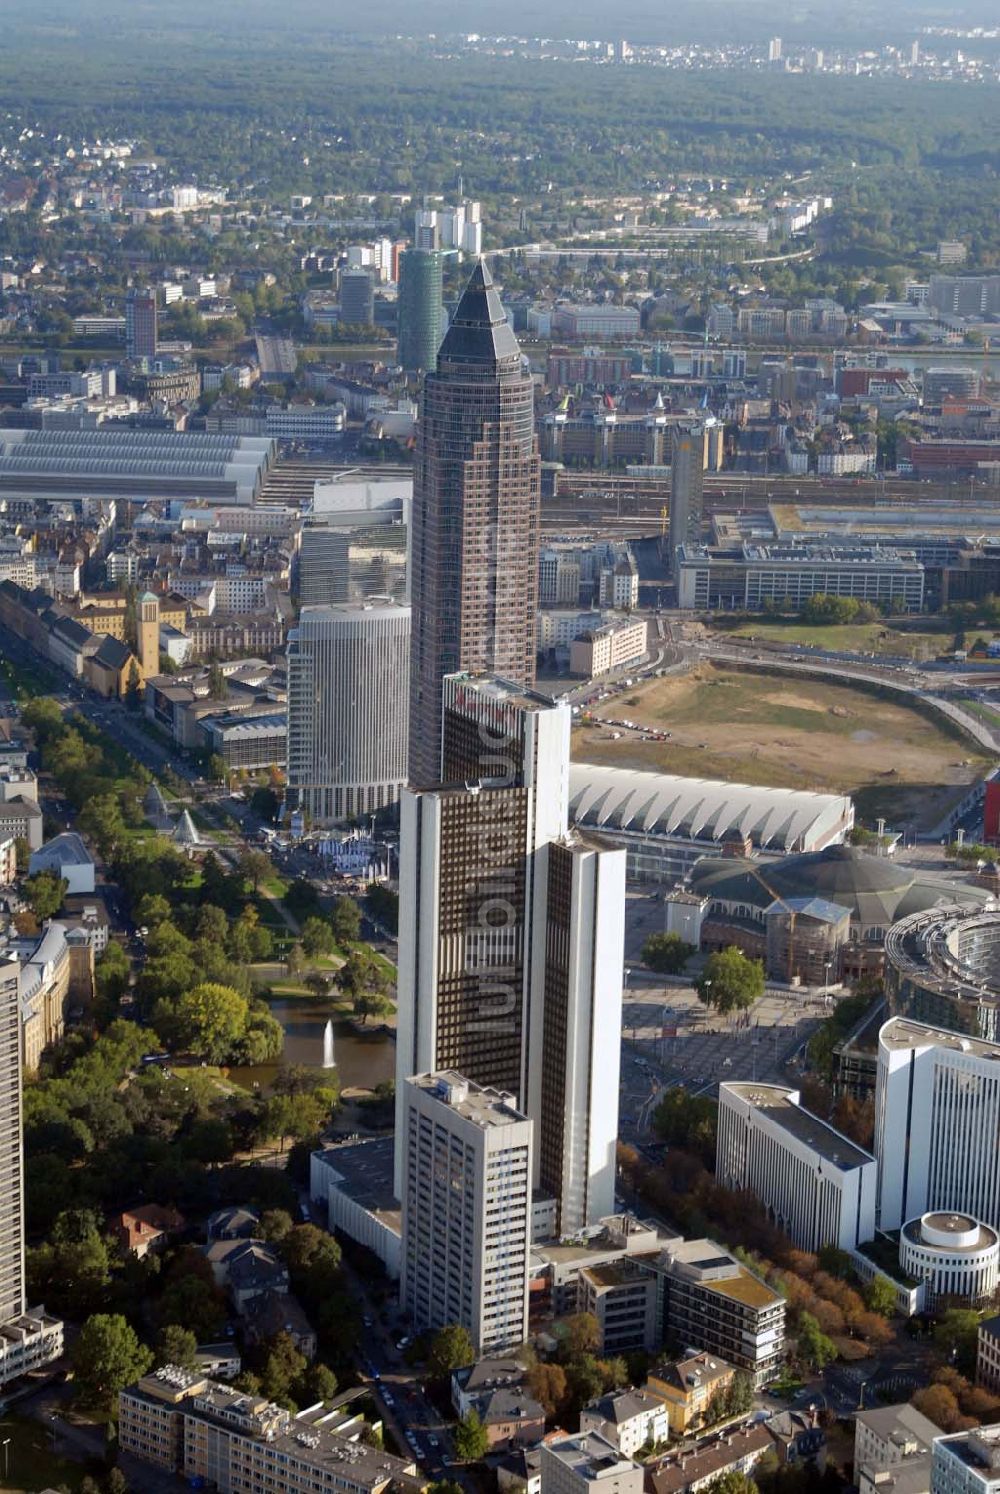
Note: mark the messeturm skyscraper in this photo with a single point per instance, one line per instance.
(476, 499)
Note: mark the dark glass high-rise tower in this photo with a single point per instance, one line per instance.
(421, 314)
(476, 499)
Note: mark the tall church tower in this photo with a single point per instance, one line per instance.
(149, 635)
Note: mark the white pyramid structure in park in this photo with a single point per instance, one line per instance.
(154, 807)
(184, 832)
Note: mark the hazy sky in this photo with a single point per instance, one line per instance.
(642, 20)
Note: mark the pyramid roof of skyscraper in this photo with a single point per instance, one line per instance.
(480, 331)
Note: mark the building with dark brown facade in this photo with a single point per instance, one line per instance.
(476, 498)
(511, 937)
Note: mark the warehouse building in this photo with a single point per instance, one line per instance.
(666, 823)
(135, 464)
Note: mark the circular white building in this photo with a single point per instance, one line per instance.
(348, 686)
(954, 1254)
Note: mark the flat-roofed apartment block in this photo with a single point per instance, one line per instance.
(466, 1216)
(816, 1185)
(28, 1339)
(238, 1443)
(511, 958)
(716, 1305)
(587, 1463)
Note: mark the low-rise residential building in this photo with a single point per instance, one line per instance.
(614, 645)
(21, 819)
(623, 1297)
(887, 1435)
(249, 1268)
(910, 1476)
(629, 1419)
(688, 1387)
(233, 1223)
(243, 1444)
(271, 1313)
(586, 1463)
(494, 1389)
(697, 1466)
(148, 1229)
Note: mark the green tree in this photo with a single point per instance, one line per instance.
(666, 953)
(294, 959)
(276, 1225)
(732, 1482)
(281, 1369)
(345, 920)
(471, 1438)
(816, 1350)
(318, 1383)
(690, 1121)
(362, 977)
(547, 1383)
(111, 973)
(265, 804)
(730, 981)
(101, 819)
(739, 1396)
(177, 1345)
(383, 904)
(451, 1349)
(107, 1356)
(581, 1334)
(44, 718)
(880, 1296)
(44, 893)
(317, 938)
(152, 909)
(211, 1019)
(254, 867)
(218, 685)
(956, 1334)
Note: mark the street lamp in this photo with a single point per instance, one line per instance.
(5, 1444)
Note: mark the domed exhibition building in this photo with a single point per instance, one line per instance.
(818, 917)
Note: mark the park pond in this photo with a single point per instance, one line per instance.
(362, 1059)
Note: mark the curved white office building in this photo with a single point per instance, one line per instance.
(954, 1254)
(937, 1120)
(348, 685)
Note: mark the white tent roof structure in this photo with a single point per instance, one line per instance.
(185, 833)
(705, 809)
